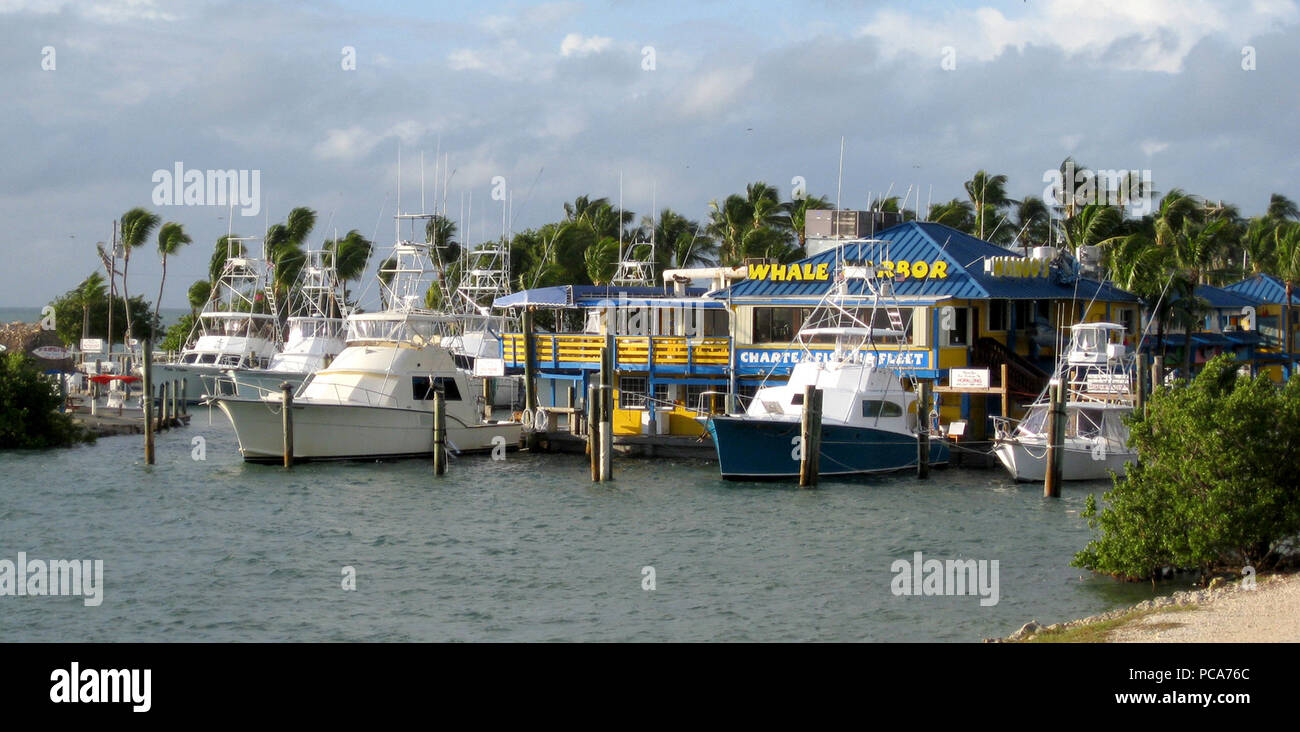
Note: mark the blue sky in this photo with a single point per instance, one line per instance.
(554, 98)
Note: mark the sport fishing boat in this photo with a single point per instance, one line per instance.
(869, 422)
(1097, 372)
(375, 400)
(237, 328)
(315, 334)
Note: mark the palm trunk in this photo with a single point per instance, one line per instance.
(126, 300)
(157, 307)
(1286, 323)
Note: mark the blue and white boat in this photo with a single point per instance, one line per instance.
(869, 421)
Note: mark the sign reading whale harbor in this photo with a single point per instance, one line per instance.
(901, 269)
(919, 359)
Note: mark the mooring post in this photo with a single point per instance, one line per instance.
(63, 392)
(810, 432)
(530, 363)
(606, 440)
(593, 430)
(1143, 380)
(1157, 372)
(185, 394)
(923, 429)
(439, 433)
(487, 398)
(573, 413)
(1006, 392)
(146, 401)
(1056, 414)
(286, 421)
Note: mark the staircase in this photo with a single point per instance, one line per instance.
(1027, 380)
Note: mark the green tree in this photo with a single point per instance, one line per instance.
(30, 417)
(1215, 485)
(90, 292)
(137, 225)
(988, 196)
(171, 237)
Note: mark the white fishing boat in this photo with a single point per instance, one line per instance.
(375, 400)
(237, 328)
(1097, 372)
(315, 334)
(869, 422)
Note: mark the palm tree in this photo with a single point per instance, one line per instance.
(679, 242)
(1281, 208)
(955, 213)
(1287, 269)
(198, 295)
(601, 260)
(226, 248)
(284, 244)
(988, 195)
(137, 225)
(171, 237)
(1092, 225)
(798, 211)
(1256, 243)
(1033, 222)
(349, 256)
(90, 291)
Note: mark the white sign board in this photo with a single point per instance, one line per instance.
(968, 378)
(489, 367)
(52, 353)
(1107, 384)
(92, 345)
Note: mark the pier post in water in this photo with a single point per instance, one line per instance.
(593, 430)
(923, 429)
(146, 402)
(810, 434)
(1055, 449)
(1006, 391)
(487, 398)
(286, 421)
(1143, 381)
(439, 433)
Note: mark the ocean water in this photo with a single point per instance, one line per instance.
(525, 549)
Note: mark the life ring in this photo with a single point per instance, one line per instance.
(526, 418)
(541, 421)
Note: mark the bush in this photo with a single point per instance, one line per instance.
(1217, 485)
(29, 408)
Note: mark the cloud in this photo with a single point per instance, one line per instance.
(1155, 35)
(575, 44)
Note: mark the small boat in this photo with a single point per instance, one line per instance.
(1098, 373)
(375, 400)
(869, 422)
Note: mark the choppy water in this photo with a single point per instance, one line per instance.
(525, 549)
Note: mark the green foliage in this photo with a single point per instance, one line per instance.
(178, 333)
(1216, 486)
(71, 310)
(29, 403)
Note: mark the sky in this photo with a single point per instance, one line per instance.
(687, 102)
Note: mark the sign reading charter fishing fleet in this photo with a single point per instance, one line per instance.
(917, 360)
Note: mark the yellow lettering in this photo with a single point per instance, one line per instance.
(939, 270)
(904, 268)
(823, 271)
(886, 269)
(920, 269)
(808, 272)
(759, 271)
(794, 273)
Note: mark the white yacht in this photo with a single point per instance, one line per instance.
(237, 328)
(375, 400)
(1098, 374)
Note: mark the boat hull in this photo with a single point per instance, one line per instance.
(1027, 462)
(764, 449)
(352, 432)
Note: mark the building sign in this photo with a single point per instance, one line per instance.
(1016, 267)
(789, 272)
(51, 353)
(489, 367)
(92, 345)
(791, 356)
(916, 269)
(968, 378)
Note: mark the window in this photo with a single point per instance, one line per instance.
(631, 392)
(778, 325)
(998, 315)
(1128, 316)
(1024, 314)
(423, 388)
(872, 408)
(693, 394)
(957, 334)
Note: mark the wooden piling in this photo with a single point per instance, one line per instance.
(1006, 391)
(439, 433)
(487, 398)
(573, 413)
(593, 429)
(923, 403)
(530, 364)
(185, 395)
(810, 434)
(1143, 383)
(286, 421)
(146, 402)
(1157, 372)
(1055, 450)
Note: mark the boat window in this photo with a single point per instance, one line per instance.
(1087, 422)
(423, 387)
(872, 408)
(797, 399)
(208, 358)
(1035, 422)
(189, 358)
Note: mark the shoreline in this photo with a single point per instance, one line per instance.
(1223, 612)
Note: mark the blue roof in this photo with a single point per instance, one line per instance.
(1218, 297)
(1266, 289)
(931, 242)
(580, 295)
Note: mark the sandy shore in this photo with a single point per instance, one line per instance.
(1270, 613)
